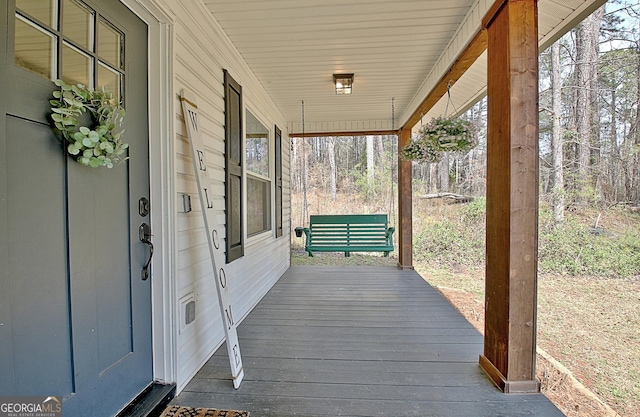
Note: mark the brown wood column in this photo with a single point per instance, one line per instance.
(405, 205)
(512, 196)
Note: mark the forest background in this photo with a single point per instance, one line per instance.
(589, 236)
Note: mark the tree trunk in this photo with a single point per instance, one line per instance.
(614, 160)
(370, 164)
(443, 172)
(556, 136)
(587, 58)
(433, 178)
(380, 146)
(634, 195)
(594, 105)
(449, 197)
(331, 144)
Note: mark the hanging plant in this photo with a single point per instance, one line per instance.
(98, 143)
(441, 134)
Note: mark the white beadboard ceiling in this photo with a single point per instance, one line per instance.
(395, 48)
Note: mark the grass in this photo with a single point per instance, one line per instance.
(577, 248)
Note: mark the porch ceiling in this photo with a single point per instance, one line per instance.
(396, 48)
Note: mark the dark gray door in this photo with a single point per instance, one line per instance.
(75, 315)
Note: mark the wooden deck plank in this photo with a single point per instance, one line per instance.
(358, 333)
(369, 372)
(270, 406)
(452, 354)
(357, 341)
(380, 346)
(217, 369)
(395, 392)
(320, 336)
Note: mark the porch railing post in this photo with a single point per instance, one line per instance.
(512, 196)
(405, 201)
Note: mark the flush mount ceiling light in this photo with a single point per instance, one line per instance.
(343, 82)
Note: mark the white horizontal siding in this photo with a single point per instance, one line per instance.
(202, 51)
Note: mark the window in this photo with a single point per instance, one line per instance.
(258, 178)
(69, 40)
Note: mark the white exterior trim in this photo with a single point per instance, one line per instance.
(162, 177)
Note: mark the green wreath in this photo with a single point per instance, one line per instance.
(99, 144)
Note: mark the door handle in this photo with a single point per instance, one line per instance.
(144, 234)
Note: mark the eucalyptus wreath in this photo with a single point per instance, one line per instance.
(441, 134)
(95, 145)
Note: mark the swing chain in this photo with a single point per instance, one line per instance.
(446, 110)
(393, 114)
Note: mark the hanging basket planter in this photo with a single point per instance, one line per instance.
(441, 134)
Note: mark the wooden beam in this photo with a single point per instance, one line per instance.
(475, 48)
(512, 196)
(336, 134)
(405, 205)
(492, 12)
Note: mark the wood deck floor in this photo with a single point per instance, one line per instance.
(357, 341)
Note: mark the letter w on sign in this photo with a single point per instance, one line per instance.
(190, 110)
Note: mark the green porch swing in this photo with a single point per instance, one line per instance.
(349, 232)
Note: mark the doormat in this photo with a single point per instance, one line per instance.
(177, 411)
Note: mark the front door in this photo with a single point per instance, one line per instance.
(75, 313)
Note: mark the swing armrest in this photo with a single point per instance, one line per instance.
(390, 235)
(307, 234)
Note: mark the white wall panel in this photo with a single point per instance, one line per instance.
(202, 51)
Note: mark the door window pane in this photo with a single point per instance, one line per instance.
(73, 54)
(77, 23)
(109, 44)
(42, 10)
(76, 66)
(33, 49)
(109, 79)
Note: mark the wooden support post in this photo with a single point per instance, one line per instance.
(512, 196)
(405, 202)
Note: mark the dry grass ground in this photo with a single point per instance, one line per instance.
(558, 383)
(591, 326)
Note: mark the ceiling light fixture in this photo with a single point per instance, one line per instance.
(343, 82)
